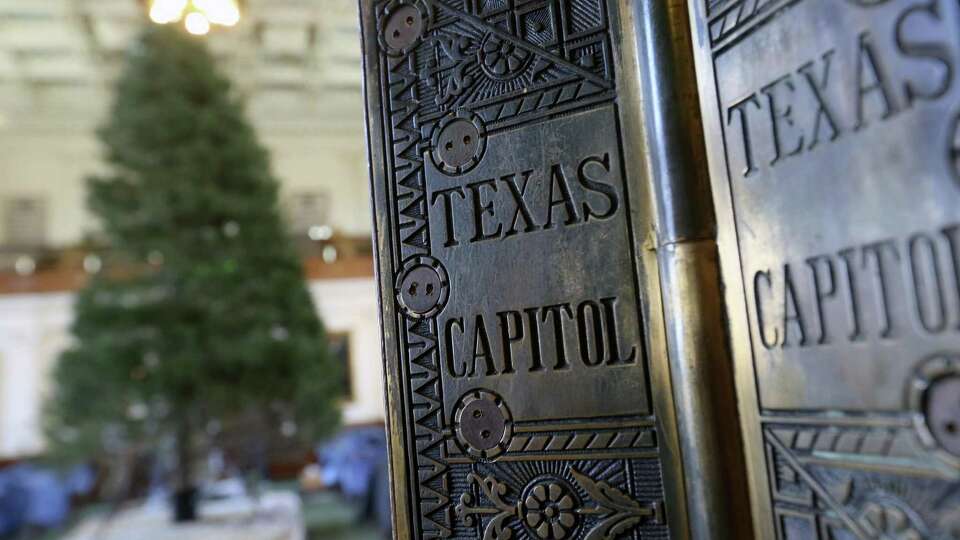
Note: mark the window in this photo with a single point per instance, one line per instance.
(339, 346)
(25, 221)
(307, 209)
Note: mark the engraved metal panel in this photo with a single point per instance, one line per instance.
(513, 292)
(832, 133)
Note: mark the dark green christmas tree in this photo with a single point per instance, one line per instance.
(200, 327)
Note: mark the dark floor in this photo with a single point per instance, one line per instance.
(328, 518)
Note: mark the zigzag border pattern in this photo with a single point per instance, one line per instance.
(418, 337)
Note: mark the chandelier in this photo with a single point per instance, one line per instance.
(198, 16)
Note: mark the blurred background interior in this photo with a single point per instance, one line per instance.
(296, 64)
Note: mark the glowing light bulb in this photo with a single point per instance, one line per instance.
(222, 12)
(329, 254)
(167, 11)
(320, 232)
(198, 15)
(25, 265)
(197, 23)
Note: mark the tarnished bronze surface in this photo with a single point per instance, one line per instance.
(834, 151)
(529, 243)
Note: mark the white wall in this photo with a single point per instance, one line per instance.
(34, 329)
(350, 306)
(335, 165)
(53, 165)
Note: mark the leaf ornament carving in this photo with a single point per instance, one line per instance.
(454, 50)
(493, 490)
(620, 511)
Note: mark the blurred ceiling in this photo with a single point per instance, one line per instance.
(296, 61)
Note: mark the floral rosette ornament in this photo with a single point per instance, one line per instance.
(549, 511)
(888, 522)
(502, 59)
